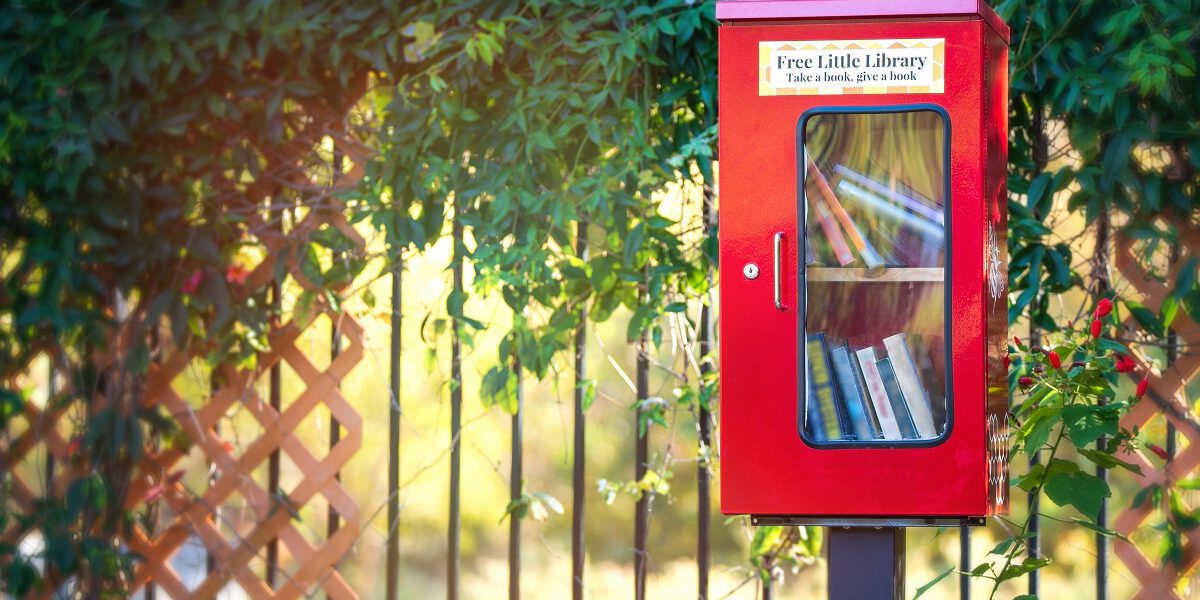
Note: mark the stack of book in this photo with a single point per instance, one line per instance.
(854, 395)
(908, 228)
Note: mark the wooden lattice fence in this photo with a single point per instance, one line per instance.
(1166, 397)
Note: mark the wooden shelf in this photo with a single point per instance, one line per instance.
(883, 274)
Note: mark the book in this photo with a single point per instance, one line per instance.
(823, 389)
(829, 226)
(915, 396)
(906, 197)
(904, 420)
(870, 257)
(930, 232)
(812, 414)
(852, 395)
(929, 377)
(888, 424)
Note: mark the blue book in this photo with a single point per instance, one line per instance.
(823, 391)
(853, 395)
(812, 413)
(904, 420)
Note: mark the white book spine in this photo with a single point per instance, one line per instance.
(878, 394)
(910, 384)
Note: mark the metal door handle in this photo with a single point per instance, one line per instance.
(777, 267)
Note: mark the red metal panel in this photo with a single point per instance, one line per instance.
(766, 468)
(729, 10)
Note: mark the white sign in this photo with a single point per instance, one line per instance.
(896, 66)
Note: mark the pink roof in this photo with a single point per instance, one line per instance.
(735, 10)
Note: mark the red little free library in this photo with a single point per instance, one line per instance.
(863, 257)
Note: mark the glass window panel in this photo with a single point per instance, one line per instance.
(873, 279)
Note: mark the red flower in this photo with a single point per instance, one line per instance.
(1103, 308)
(192, 283)
(1143, 385)
(1070, 324)
(1125, 364)
(236, 274)
(1155, 448)
(1055, 361)
(1025, 381)
(1096, 328)
(1016, 340)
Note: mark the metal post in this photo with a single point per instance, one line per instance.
(866, 563)
(703, 486)
(964, 562)
(393, 519)
(641, 523)
(514, 483)
(578, 486)
(335, 428)
(1033, 548)
(452, 551)
(274, 382)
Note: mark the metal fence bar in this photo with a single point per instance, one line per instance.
(641, 523)
(703, 484)
(1101, 539)
(455, 528)
(335, 346)
(274, 397)
(393, 509)
(578, 486)
(1034, 543)
(335, 428)
(964, 563)
(514, 483)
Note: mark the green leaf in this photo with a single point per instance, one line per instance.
(928, 586)
(1084, 491)
(1145, 317)
(1085, 423)
(1103, 459)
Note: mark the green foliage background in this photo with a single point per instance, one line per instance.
(133, 138)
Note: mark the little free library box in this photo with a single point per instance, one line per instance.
(863, 261)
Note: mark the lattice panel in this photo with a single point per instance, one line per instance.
(308, 562)
(1166, 396)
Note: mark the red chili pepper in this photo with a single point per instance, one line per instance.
(1103, 308)
(1125, 364)
(1096, 328)
(1143, 385)
(1155, 448)
(1055, 361)
(1016, 340)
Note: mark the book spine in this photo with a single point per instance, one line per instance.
(904, 420)
(910, 383)
(878, 393)
(812, 411)
(841, 251)
(823, 390)
(930, 232)
(852, 395)
(864, 395)
(870, 257)
(908, 198)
